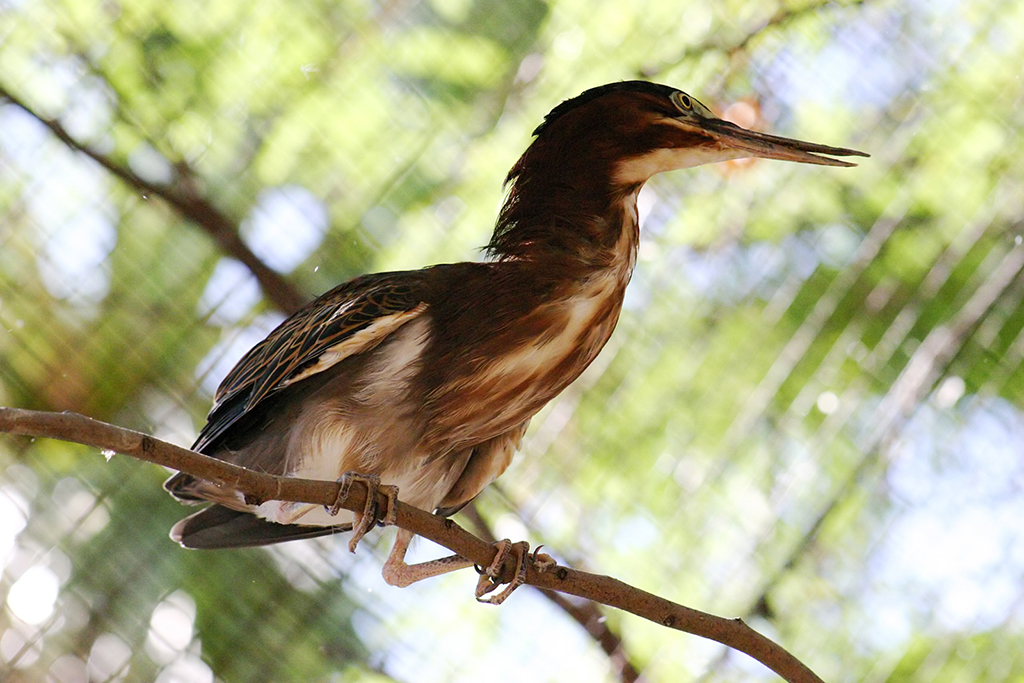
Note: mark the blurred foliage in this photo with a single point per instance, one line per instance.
(810, 415)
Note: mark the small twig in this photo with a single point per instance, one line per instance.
(183, 199)
(259, 486)
(778, 20)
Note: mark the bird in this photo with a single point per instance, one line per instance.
(422, 383)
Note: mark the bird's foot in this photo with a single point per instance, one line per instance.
(490, 576)
(371, 514)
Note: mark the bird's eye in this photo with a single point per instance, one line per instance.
(682, 101)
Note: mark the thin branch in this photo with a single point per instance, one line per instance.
(779, 19)
(257, 487)
(183, 199)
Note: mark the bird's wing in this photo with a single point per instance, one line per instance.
(487, 462)
(347, 320)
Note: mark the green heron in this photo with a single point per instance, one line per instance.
(426, 380)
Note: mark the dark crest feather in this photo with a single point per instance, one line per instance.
(594, 93)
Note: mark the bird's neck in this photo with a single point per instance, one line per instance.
(565, 209)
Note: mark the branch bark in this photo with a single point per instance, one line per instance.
(183, 199)
(258, 486)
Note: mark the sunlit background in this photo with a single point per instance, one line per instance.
(810, 415)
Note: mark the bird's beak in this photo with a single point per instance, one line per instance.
(748, 143)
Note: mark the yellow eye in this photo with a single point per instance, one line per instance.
(683, 101)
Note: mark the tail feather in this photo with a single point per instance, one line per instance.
(179, 486)
(221, 527)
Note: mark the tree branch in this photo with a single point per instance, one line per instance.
(258, 486)
(189, 204)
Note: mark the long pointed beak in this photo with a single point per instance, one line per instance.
(754, 144)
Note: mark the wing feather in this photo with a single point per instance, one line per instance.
(346, 321)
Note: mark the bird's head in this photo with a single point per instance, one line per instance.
(577, 182)
(637, 129)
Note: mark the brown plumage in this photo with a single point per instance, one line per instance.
(429, 378)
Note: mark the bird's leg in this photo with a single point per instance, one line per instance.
(397, 573)
(363, 521)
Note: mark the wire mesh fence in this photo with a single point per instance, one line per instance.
(809, 415)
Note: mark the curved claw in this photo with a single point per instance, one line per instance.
(363, 521)
(489, 577)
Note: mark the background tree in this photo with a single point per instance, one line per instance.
(810, 415)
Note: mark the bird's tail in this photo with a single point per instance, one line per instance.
(221, 527)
